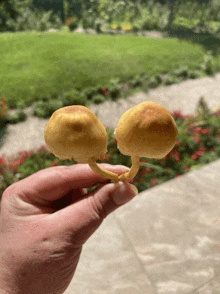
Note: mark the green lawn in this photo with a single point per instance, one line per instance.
(36, 65)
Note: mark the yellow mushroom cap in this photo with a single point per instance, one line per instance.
(74, 132)
(146, 130)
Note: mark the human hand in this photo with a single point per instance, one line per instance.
(45, 220)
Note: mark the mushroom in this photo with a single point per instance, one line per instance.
(74, 132)
(146, 130)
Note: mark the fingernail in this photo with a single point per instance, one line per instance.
(134, 189)
(122, 195)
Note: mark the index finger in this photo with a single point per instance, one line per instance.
(54, 182)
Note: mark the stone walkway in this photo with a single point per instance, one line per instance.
(165, 241)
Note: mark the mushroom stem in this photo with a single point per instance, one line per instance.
(133, 171)
(103, 173)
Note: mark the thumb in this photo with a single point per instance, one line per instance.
(85, 216)
(111, 196)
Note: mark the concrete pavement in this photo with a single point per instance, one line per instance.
(165, 241)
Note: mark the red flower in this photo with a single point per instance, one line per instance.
(194, 156)
(201, 148)
(177, 113)
(212, 150)
(21, 160)
(178, 143)
(198, 129)
(154, 182)
(205, 131)
(176, 158)
(111, 149)
(2, 161)
(167, 157)
(177, 176)
(143, 172)
(105, 92)
(53, 163)
(186, 168)
(175, 151)
(197, 140)
(115, 142)
(139, 180)
(143, 162)
(199, 152)
(131, 181)
(106, 157)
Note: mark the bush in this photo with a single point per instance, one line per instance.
(135, 28)
(150, 23)
(89, 92)
(18, 116)
(73, 24)
(34, 20)
(114, 89)
(155, 81)
(74, 97)
(208, 65)
(170, 79)
(194, 74)
(97, 99)
(87, 23)
(98, 25)
(182, 72)
(45, 109)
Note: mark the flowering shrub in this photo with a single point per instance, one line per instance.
(198, 143)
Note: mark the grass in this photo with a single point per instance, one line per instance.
(38, 65)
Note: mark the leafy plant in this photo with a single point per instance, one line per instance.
(73, 23)
(114, 88)
(208, 65)
(31, 20)
(74, 97)
(97, 99)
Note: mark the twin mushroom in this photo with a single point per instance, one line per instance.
(146, 130)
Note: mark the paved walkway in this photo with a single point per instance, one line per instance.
(165, 241)
(183, 96)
